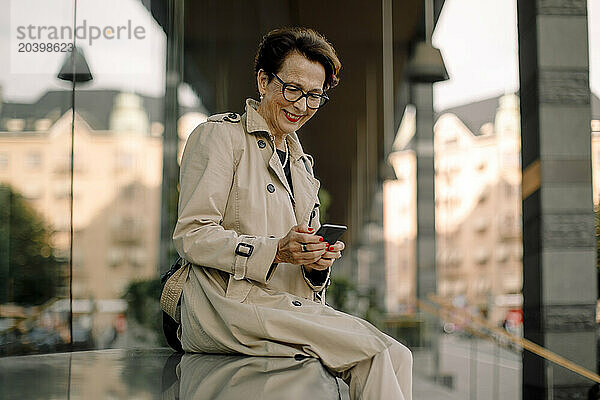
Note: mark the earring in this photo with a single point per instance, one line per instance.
(261, 96)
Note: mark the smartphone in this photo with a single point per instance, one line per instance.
(331, 233)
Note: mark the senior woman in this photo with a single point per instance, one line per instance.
(255, 273)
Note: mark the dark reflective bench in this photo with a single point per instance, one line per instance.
(162, 374)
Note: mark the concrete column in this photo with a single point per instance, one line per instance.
(559, 255)
(422, 98)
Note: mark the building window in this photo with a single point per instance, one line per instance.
(137, 256)
(114, 256)
(33, 160)
(42, 125)
(450, 140)
(124, 161)
(15, 125)
(3, 161)
(512, 283)
(509, 226)
(32, 191)
(129, 192)
(481, 224)
(127, 229)
(483, 195)
(481, 256)
(62, 189)
(502, 254)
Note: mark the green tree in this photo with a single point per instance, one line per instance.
(29, 272)
(143, 300)
(325, 202)
(339, 293)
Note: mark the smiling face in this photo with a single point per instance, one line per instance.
(282, 116)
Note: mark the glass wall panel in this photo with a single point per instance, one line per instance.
(118, 167)
(420, 156)
(35, 120)
(112, 182)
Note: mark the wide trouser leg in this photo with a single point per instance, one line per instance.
(386, 376)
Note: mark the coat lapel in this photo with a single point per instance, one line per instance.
(277, 169)
(305, 185)
(306, 188)
(256, 125)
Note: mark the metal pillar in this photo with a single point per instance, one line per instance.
(169, 193)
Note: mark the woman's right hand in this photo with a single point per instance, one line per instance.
(289, 249)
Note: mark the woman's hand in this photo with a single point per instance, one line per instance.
(290, 248)
(333, 252)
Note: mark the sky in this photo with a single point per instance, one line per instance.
(478, 41)
(134, 65)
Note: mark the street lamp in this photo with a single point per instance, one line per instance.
(426, 64)
(75, 68)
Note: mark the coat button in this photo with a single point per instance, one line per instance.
(261, 144)
(270, 188)
(296, 303)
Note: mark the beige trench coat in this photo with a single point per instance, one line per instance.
(234, 206)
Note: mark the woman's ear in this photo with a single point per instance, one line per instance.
(262, 81)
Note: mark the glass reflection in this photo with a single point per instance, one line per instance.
(106, 374)
(34, 189)
(117, 175)
(161, 374)
(209, 376)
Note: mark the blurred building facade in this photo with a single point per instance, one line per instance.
(400, 231)
(478, 210)
(117, 177)
(116, 194)
(477, 205)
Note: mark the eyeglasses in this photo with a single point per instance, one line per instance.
(293, 93)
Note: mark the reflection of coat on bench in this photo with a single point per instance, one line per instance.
(234, 206)
(225, 377)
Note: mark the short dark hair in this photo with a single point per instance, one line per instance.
(276, 45)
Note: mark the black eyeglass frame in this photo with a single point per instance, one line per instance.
(324, 98)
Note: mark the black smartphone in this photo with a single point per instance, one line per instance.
(331, 233)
